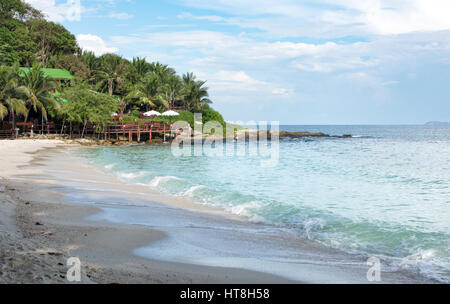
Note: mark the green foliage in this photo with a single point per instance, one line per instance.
(211, 115)
(184, 116)
(37, 91)
(85, 106)
(51, 39)
(111, 73)
(28, 39)
(74, 65)
(25, 36)
(17, 8)
(9, 103)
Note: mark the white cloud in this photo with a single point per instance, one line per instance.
(218, 49)
(390, 82)
(95, 44)
(120, 16)
(70, 10)
(327, 18)
(239, 83)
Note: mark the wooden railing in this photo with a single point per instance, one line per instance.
(8, 134)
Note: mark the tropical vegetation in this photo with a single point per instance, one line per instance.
(102, 85)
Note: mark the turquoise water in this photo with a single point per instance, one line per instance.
(384, 193)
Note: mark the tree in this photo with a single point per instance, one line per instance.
(9, 103)
(51, 39)
(162, 71)
(110, 72)
(172, 90)
(17, 9)
(141, 66)
(147, 92)
(196, 96)
(37, 90)
(16, 44)
(73, 64)
(90, 60)
(86, 106)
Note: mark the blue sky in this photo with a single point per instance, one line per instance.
(297, 62)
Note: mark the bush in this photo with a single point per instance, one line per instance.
(184, 116)
(211, 115)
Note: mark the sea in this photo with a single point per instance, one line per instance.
(384, 192)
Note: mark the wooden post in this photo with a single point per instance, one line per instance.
(139, 134)
(130, 137)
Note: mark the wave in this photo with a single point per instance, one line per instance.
(110, 166)
(131, 175)
(248, 210)
(155, 182)
(191, 191)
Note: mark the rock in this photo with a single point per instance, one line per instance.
(300, 134)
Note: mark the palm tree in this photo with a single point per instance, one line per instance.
(141, 66)
(196, 96)
(91, 62)
(110, 73)
(8, 93)
(172, 90)
(147, 92)
(162, 71)
(37, 90)
(200, 95)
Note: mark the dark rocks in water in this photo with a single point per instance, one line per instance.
(286, 134)
(301, 134)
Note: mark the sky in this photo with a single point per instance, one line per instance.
(292, 61)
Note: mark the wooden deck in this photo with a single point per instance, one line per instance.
(116, 131)
(136, 129)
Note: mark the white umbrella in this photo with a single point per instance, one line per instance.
(170, 113)
(152, 113)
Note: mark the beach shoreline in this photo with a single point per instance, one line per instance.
(37, 216)
(39, 232)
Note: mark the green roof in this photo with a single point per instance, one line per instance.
(53, 73)
(58, 98)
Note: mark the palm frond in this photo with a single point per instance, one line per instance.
(3, 111)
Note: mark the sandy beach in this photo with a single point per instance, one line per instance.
(39, 232)
(42, 225)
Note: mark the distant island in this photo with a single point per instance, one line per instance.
(437, 123)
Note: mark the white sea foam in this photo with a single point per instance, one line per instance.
(110, 166)
(247, 210)
(190, 192)
(161, 179)
(421, 255)
(309, 224)
(131, 175)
